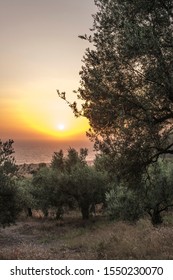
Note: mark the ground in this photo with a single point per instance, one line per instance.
(39, 238)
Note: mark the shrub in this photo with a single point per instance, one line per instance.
(124, 204)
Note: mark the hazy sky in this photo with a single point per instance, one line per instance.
(40, 52)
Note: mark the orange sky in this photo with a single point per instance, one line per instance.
(40, 52)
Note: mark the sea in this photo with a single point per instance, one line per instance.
(42, 151)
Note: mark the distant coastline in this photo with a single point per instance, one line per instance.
(28, 169)
(36, 152)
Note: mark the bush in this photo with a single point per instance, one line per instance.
(124, 204)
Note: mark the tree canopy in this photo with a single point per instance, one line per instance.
(126, 85)
(9, 207)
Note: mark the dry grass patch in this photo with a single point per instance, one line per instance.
(96, 239)
(140, 241)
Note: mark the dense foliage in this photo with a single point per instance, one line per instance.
(124, 204)
(64, 163)
(127, 82)
(88, 187)
(126, 92)
(153, 196)
(9, 206)
(74, 184)
(158, 190)
(48, 191)
(68, 182)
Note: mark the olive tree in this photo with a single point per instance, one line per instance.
(153, 196)
(48, 191)
(87, 186)
(158, 190)
(126, 86)
(63, 163)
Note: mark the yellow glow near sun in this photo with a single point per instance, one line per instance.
(61, 126)
(48, 122)
(50, 118)
(68, 130)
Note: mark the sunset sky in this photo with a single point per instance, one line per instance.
(40, 52)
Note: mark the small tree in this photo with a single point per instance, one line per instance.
(87, 186)
(158, 190)
(69, 179)
(58, 161)
(25, 197)
(153, 196)
(74, 158)
(9, 207)
(48, 190)
(63, 163)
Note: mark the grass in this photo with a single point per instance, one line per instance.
(36, 238)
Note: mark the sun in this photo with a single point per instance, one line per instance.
(61, 126)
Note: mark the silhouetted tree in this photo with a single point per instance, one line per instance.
(58, 161)
(127, 82)
(63, 163)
